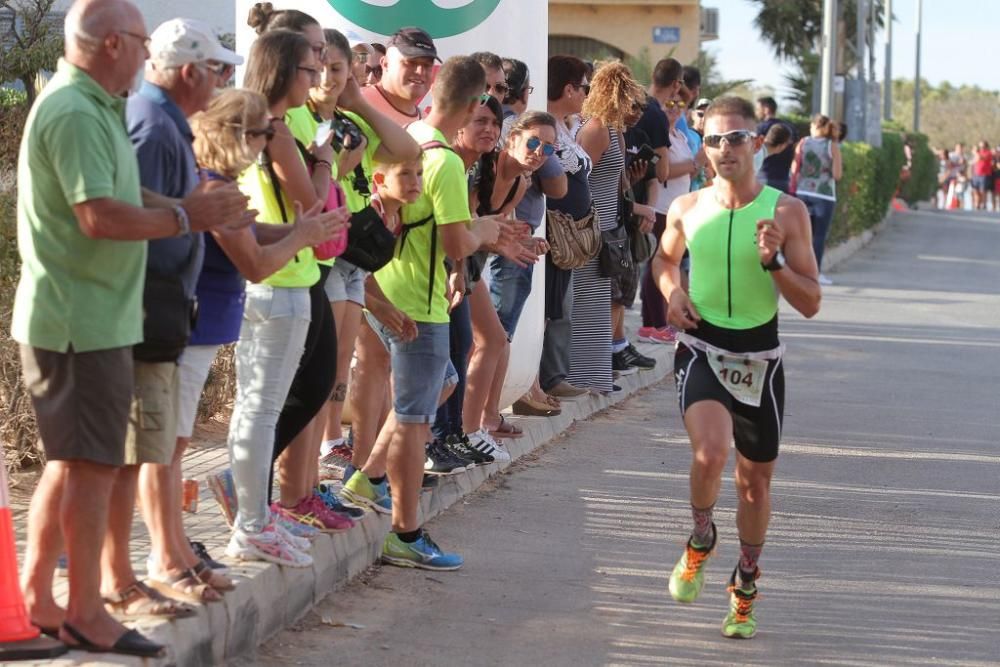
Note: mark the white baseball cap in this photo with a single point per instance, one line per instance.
(354, 39)
(180, 42)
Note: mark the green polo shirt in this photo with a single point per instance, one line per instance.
(74, 290)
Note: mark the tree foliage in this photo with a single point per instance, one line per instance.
(949, 114)
(794, 27)
(712, 85)
(32, 41)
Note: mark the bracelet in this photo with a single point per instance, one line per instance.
(183, 222)
(319, 162)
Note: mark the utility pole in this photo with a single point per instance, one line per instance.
(887, 93)
(829, 56)
(862, 83)
(916, 79)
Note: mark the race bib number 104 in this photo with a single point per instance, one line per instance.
(742, 377)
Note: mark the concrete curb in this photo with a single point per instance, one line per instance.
(269, 598)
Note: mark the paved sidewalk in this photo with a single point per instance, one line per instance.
(882, 549)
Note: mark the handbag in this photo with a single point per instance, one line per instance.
(615, 257)
(168, 315)
(370, 244)
(572, 243)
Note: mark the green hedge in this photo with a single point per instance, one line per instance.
(923, 182)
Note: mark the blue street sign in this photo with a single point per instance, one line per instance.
(666, 34)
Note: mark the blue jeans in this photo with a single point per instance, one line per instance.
(449, 416)
(820, 215)
(510, 286)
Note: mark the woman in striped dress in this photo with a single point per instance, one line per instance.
(613, 92)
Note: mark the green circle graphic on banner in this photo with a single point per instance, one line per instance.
(377, 16)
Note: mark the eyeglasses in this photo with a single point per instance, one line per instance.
(360, 57)
(530, 89)
(735, 138)
(675, 104)
(253, 133)
(221, 70)
(145, 39)
(313, 72)
(320, 50)
(375, 71)
(500, 89)
(585, 87)
(534, 142)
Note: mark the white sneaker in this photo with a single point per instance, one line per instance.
(823, 280)
(483, 442)
(298, 543)
(266, 545)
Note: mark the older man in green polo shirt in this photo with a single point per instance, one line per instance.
(82, 228)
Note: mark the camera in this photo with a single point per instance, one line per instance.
(345, 133)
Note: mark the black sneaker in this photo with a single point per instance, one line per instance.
(620, 365)
(634, 358)
(201, 552)
(461, 446)
(441, 461)
(429, 482)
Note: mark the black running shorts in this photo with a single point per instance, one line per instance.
(757, 431)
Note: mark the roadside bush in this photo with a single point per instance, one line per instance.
(922, 184)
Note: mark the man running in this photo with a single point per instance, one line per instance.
(748, 242)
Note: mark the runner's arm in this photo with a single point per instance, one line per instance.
(667, 266)
(798, 282)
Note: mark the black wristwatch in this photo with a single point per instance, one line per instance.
(777, 262)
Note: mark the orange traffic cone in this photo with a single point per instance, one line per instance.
(19, 639)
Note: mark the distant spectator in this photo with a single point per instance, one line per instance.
(778, 169)
(982, 175)
(815, 172)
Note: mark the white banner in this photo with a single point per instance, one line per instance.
(510, 28)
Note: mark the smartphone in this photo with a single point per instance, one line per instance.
(646, 153)
(323, 133)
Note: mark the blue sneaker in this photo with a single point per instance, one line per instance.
(360, 491)
(423, 553)
(328, 495)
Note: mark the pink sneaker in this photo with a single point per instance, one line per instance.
(330, 521)
(664, 336)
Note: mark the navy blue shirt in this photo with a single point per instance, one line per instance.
(163, 145)
(777, 168)
(655, 124)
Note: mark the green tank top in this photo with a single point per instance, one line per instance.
(728, 286)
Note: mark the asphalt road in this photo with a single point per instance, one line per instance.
(883, 548)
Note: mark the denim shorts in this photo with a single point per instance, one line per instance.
(510, 286)
(346, 282)
(421, 369)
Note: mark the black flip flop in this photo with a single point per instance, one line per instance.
(49, 632)
(130, 643)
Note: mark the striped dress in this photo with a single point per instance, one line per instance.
(590, 349)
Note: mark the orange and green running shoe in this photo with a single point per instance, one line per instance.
(688, 577)
(740, 622)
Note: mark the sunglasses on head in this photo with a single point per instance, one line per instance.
(534, 142)
(672, 104)
(253, 133)
(483, 98)
(734, 138)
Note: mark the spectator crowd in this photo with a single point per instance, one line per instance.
(370, 258)
(962, 173)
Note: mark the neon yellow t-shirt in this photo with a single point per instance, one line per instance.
(407, 279)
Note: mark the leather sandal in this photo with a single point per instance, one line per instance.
(139, 601)
(213, 578)
(131, 643)
(506, 430)
(185, 585)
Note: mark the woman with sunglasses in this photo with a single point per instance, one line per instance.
(613, 96)
(504, 178)
(229, 136)
(364, 137)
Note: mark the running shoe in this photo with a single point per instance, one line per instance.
(483, 442)
(266, 545)
(331, 522)
(359, 490)
(441, 461)
(620, 365)
(823, 280)
(289, 515)
(663, 335)
(633, 357)
(289, 526)
(740, 622)
(298, 543)
(333, 463)
(224, 490)
(423, 553)
(688, 577)
(460, 445)
(329, 496)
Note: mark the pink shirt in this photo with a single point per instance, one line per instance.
(377, 99)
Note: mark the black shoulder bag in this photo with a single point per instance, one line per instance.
(615, 256)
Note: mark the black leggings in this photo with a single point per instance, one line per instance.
(315, 377)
